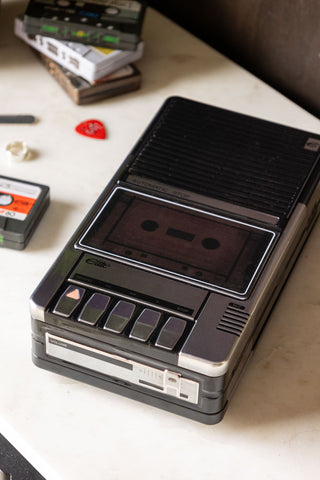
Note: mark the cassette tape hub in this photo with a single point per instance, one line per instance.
(165, 287)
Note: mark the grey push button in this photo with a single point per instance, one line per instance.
(69, 300)
(119, 317)
(94, 308)
(145, 325)
(171, 333)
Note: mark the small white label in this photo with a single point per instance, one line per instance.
(17, 198)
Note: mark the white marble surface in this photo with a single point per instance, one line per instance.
(71, 431)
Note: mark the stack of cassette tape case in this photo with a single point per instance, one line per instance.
(88, 47)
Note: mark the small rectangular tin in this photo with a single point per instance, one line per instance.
(22, 205)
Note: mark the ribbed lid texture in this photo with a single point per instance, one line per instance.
(227, 156)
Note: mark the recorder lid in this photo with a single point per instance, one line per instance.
(227, 156)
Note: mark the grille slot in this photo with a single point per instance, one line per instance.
(227, 156)
(233, 320)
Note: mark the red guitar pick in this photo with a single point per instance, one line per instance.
(92, 128)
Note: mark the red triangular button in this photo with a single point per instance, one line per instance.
(92, 128)
(74, 294)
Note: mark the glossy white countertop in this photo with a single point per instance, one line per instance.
(72, 431)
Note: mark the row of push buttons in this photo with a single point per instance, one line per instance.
(121, 313)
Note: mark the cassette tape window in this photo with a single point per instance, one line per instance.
(205, 247)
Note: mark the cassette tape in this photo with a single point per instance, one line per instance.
(82, 92)
(88, 62)
(164, 289)
(22, 205)
(115, 24)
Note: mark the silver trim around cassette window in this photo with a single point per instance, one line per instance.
(168, 273)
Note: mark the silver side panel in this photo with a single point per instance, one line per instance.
(36, 311)
(164, 381)
(269, 285)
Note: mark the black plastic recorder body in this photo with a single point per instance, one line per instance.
(163, 290)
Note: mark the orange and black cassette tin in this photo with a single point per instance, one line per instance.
(22, 205)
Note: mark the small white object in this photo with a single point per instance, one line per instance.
(17, 151)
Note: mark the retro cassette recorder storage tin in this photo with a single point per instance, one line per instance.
(163, 290)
